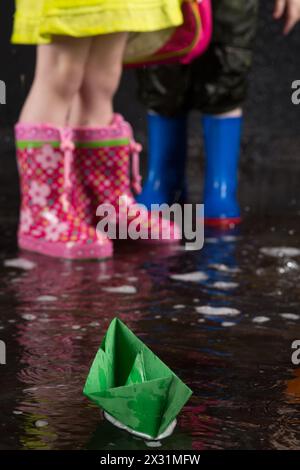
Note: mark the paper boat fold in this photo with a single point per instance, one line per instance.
(130, 383)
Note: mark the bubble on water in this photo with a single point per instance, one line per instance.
(158, 317)
(290, 316)
(281, 252)
(190, 277)
(288, 267)
(121, 290)
(46, 298)
(174, 319)
(20, 263)
(217, 311)
(224, 268)
(17, 412)
(261, 319)
(225, 285)
(94, 324)
(41, 423)
(29, 317)
(178, 307)
(76, 327)
(132, 279)
(228, 324)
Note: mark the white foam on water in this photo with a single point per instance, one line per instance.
(46, 298)
(281, 252)
(20, 263)
(190, 277)
(225, 285)
(16, 280)
(290, 316)
(228, 324)
(230, 238)
(211, 240)
(261, 319)
(217, 311)
(224, 268)
(94, 324)
(104, 277)
(29, 317)
(76, 327)
(17, 412)
(41, 423)
(121, 290)
(153, 444)
(178, 307)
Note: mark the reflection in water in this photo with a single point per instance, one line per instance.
(286, 431)
(245, 395)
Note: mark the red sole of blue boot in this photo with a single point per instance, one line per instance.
(223, 223)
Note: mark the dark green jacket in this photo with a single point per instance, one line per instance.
(217, 81)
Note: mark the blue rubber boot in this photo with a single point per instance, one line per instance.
(222, 140)
(165, 181)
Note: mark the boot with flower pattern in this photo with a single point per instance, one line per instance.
(102, 170)
(48, 222)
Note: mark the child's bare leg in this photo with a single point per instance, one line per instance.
(58, 77)
(93, 105)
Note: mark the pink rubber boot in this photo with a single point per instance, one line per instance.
(102, 168)
(48, 221)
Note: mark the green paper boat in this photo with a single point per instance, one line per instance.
(136, 390)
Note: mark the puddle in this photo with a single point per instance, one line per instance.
(220, 324)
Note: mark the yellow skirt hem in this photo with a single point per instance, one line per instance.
(41, 30)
